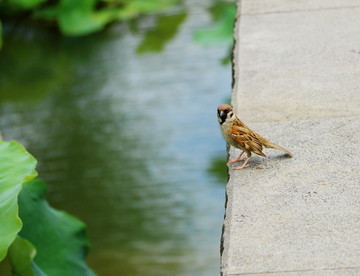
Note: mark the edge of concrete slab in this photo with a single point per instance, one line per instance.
(224, 239)
(274, 6)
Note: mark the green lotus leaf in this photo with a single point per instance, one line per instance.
(21, 255)
(60, 239)
(17, 167)
(134, 8)
(79, 23)
(81, 17)
(25, 4)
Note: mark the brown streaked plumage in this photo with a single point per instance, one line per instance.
(237, 134)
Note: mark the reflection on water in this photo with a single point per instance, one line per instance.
(129, 144)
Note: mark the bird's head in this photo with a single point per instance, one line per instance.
(225, 113)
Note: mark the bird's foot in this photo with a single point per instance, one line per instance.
(243, 165)
(235, 160)
(240, 167)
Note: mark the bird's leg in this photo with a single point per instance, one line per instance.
(243, 165)
(237, 159)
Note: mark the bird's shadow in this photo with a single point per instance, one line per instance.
(259, 162)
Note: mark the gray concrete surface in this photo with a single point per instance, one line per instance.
(297, 82)
(298, 65)
(301, 213)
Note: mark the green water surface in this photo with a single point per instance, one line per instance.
(127, 141)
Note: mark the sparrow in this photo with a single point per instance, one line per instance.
(237, 134)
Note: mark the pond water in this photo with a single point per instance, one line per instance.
(129, 143)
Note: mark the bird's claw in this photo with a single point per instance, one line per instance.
(240, 167)
(234, 161)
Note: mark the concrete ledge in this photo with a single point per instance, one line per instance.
(301, 213)
(297, 83)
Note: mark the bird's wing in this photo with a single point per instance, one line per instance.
(247, 139)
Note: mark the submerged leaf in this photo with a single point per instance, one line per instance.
(223, 14)
(17, 167)
(165, 29)
(59, 238)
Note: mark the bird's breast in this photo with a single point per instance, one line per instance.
(225, 130)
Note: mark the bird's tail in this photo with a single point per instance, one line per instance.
(274, 146)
